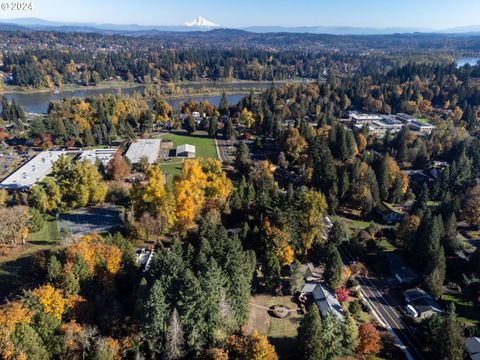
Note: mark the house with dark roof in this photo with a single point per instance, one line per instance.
(403, 273)
(423, 303)
(324, 298)
(390, 213)
(472, 348)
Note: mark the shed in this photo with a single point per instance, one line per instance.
(186, 150)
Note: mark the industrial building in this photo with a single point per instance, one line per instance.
(144, 148)
(32, 172)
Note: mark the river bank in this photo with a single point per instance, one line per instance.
(121, 84)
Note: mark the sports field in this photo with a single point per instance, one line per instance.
(204, 146)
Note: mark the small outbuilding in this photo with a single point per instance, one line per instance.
(186, 151)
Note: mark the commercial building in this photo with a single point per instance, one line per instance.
(102, 155)
(32, 172)
(144, 148)
(415, 124)
(186, 150)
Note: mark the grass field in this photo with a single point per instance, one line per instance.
(353, 225)
(15, 266)
(204, 146)
(465, 309)
(281, 332)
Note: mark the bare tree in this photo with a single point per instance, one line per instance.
(14, 225)
(174, 347)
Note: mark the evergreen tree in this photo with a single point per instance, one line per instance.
(324, 172)
(382, 177)
(213, 127)
(297, 275)
(332, 336)
(155, 310)
(333, 268)
(450, 337)
(223, 105)
(350, 335)
(228, 130)
(310, 335)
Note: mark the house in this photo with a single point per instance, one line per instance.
(312, 273)
(390, 213)
(325, 300)
(403, 273)
(472, 347)
(422, 302)
(186, 150)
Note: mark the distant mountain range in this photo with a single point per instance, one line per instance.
(202, 24)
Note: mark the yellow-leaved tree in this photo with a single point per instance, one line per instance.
(12, 314)
(218, 186)
(152, 196)
(51, 300)
(312, 217)
(189, 193)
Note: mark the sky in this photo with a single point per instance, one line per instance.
(433, 14)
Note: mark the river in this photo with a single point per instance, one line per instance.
(37, 102)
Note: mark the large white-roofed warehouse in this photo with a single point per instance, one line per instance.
(144, 148)
(186, 150)
(32, 172)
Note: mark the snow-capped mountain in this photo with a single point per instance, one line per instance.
(201, 22)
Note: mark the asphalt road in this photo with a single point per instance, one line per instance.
(385, 305)
(222, 150)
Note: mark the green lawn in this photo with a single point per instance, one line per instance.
(465, 309)
(204, 146)
(281, 332)
(353, 225)
(16, 267)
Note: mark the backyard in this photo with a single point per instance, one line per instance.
(281, 333)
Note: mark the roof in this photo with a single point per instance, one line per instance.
(33, 171)
(385, 207)
(103, 155)
(325, 300)
(149, 148)
(472, 345)
(402, 272)
(186, 148)
(421, 300)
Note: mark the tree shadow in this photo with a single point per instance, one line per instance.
(286, 347)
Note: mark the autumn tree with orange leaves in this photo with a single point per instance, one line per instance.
(369, 340)
(251, 347)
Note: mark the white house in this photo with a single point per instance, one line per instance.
(186, 150)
